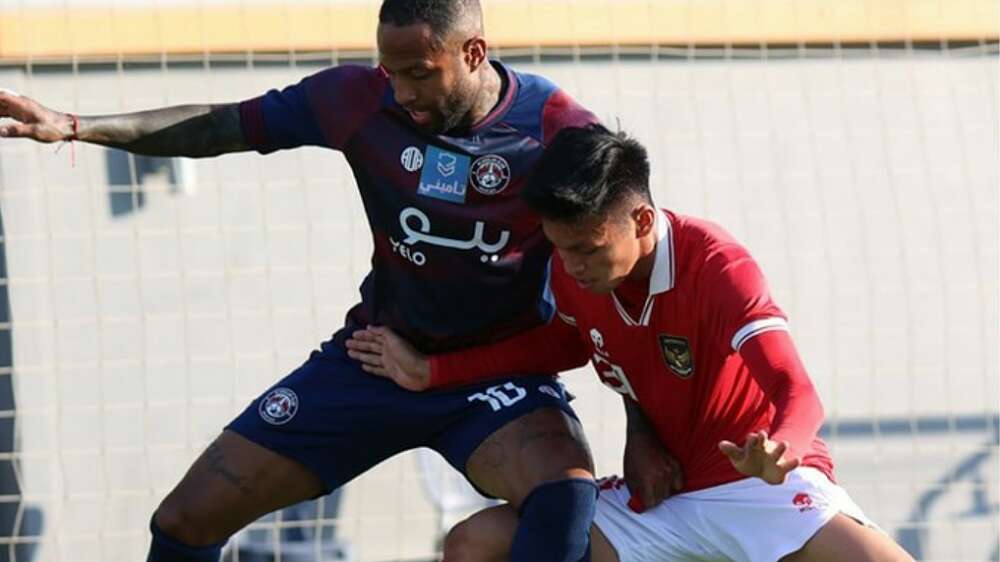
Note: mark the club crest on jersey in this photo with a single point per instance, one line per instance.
(445, 175)
(279, 406)
(412, 159)
(677, 355)
(490, 174)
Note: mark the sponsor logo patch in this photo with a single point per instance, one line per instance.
(802, 501)
(411, 159)
(445, 175)
(279, 406)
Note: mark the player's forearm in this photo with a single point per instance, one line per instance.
(551, 348)
(636, 421)
(186, 130)
(775, 364)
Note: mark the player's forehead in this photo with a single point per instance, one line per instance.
(401, 47)
(577, 235)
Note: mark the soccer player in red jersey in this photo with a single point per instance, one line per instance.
(675, 316)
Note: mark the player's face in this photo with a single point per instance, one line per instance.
(598, 252)
(432, 82)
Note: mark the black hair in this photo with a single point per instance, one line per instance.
(585, 172)
(441, 15)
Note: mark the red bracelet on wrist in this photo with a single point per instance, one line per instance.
(76, 128)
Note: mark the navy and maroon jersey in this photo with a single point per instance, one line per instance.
(459, 258)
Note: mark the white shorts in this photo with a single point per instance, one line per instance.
(743, 521)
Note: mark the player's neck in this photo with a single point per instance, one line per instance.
(643, 268)
(490, 91)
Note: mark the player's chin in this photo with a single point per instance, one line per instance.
(598, 287)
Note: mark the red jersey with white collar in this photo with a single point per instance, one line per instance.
(672, 346)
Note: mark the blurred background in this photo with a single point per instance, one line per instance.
(852, 146)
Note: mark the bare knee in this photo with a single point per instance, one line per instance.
(539, 447)
(181, 523)
(485, 536)
(462, 544)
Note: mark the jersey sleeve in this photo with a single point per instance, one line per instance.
(563, 111)
(552, 347)
(798, 413)
(735, 299)
(324, 109)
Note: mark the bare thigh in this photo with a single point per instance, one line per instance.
(845, 540)
(230, 485)
(546, 444)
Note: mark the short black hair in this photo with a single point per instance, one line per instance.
(585, 172)
(441, 15)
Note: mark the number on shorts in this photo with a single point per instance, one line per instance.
(498, 396)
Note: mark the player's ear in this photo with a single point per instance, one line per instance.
(644, 217)
(474, 52)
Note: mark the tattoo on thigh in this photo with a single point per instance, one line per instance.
(494, 455)
(529, 437)
(216, 465)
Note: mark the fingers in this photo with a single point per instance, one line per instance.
(778, 451)
(363, 344)
(6, 97)
(375, 370)
(18, 130)
(732, 450)
(373, 360)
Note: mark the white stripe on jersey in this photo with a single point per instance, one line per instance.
(758, 327)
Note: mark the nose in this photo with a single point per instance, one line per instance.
(574, 266)
(404, 95)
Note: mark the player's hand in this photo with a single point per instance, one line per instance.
(383, 353)
(761, 457)
(31, 120)
(651, 472)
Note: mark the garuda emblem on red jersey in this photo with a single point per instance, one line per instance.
(677, 355)
(490, 174)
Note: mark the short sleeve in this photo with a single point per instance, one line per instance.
(735, 299)
(324, 109)
(562, 111)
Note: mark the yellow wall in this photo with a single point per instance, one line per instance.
(102, 31)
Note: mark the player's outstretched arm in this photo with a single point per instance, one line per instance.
(651, 472)
(549, 348)
(186, 130)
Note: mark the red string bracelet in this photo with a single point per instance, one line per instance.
(75, 136)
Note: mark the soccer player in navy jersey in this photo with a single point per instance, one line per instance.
(676, 317)
(440, 140)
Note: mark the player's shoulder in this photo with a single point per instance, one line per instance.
(349, 81)
(696, 235)
(705, 250)
(541, 108)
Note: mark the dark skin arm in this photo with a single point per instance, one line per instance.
(194, 131)
(651, 472)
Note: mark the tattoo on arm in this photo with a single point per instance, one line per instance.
(187, 130)
(216, 465)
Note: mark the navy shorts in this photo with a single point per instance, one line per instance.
(339, 421)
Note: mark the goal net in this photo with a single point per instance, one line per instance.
(144, 302)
